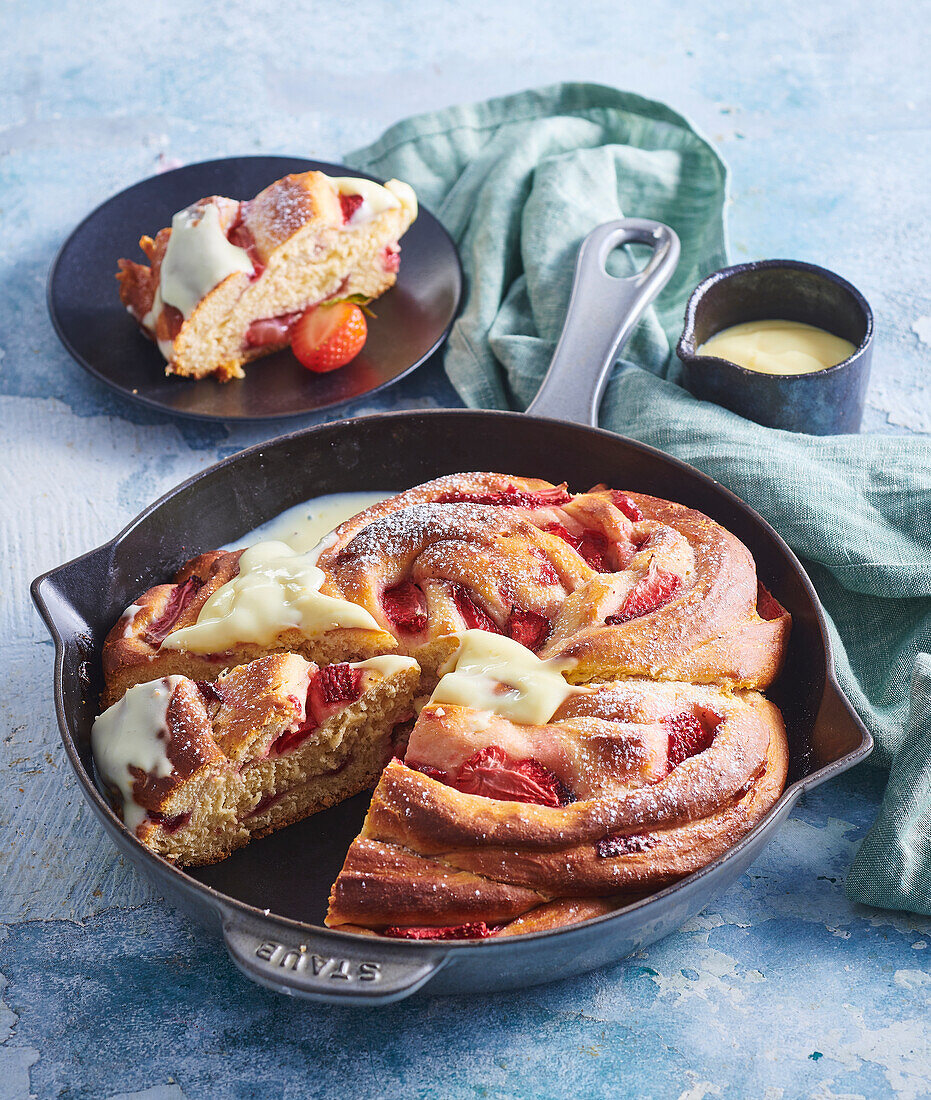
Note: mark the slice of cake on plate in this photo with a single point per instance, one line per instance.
(229, 280)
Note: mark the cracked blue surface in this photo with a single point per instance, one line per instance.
(781, 988)
(129, 999)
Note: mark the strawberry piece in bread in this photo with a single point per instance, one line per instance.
(405, 607)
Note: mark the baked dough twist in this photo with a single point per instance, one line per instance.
(661, 757)
(630, 786)
(624, 584)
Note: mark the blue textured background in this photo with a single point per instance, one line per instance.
(781, 988)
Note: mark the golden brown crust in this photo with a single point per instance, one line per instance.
(563, 911)
(189, 746)
(288, 205)
(491, 546)
(698, 811)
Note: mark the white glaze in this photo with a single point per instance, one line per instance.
(376, 199)
(198, 258)
(405, 195)
(275, 589)
(304, 526)
(128, 616)
(387, 665)
(150, 321)
(134, 731)
(494, 673)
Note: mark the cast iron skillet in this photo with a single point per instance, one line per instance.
(268, 900)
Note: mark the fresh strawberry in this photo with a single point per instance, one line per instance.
(492, 773)
(406, 607)
(688, 736)
(182, 594)
(509, 497)
(329, 336)
(349, 204)
(593, 546)
(331, 689)
(527, 627)
(477, 930)
(627, 506)
(654, 590)
(473, 616)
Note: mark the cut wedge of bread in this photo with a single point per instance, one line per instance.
(228, 281)
(196, 769)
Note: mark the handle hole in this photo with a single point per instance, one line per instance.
(627, 260)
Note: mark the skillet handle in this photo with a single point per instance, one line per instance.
(602, 313)
(337, 969)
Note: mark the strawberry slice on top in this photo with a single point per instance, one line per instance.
(331, 689)
(651, 592)
(182, 595)
(530, 628)
(490, 772)
(405, 607)
(349, 204)
(508, 497)
(472, 615)
(688, 736)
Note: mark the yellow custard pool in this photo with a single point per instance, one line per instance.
(778, 347)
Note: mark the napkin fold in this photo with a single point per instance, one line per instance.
(518, 182)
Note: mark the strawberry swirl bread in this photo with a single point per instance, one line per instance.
(624, 584)
(588, 668)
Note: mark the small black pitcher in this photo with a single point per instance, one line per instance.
(825, 402)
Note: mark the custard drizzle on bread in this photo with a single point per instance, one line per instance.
(594, 729)
(228, 280)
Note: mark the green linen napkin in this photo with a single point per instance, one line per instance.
(518, 182)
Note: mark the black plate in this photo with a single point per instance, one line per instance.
(413, 318)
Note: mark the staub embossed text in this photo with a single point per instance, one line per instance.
(300, 959)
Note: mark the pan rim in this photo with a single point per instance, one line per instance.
(223, 903)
